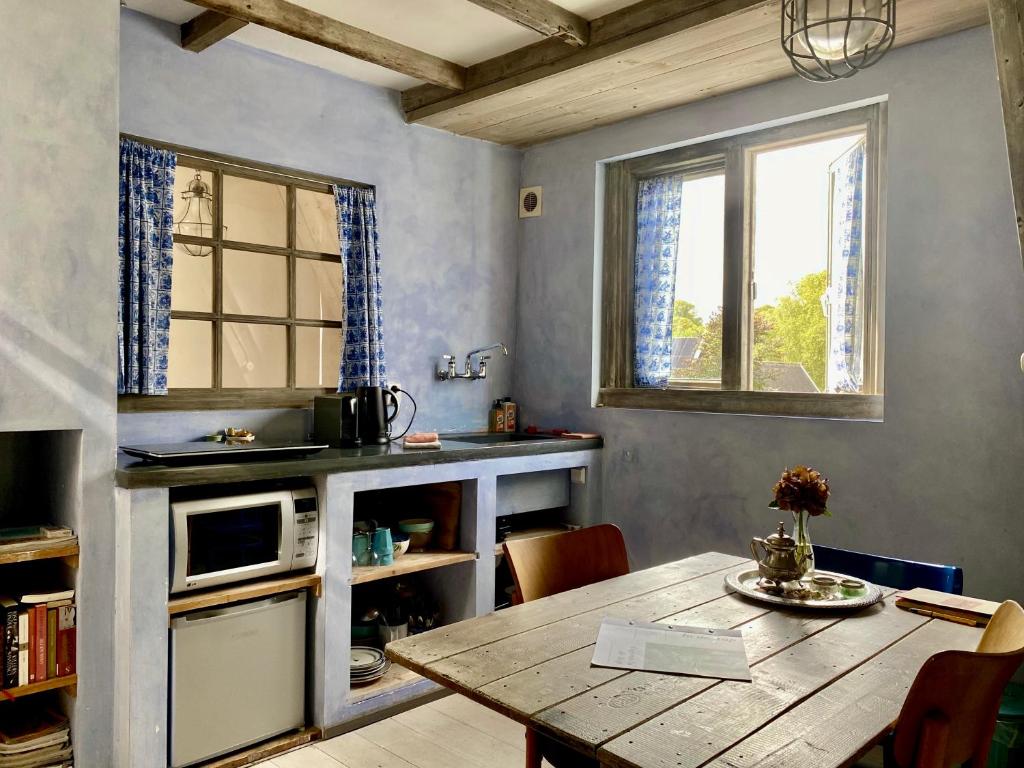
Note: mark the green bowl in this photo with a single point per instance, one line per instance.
(416, 525)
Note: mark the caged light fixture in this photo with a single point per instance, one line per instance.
(834, 39)
(197, 220)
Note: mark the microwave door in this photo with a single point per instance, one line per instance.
(232, 541)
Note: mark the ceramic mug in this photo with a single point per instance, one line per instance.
(361, 552)
(393, 632)
(383, 546)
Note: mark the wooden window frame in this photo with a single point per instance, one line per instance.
(735, 153)
(217, 397)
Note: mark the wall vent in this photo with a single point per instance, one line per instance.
(531, 202)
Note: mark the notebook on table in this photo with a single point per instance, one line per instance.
(942, 605)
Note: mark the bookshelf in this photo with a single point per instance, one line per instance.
(69, 683)
(65, 549)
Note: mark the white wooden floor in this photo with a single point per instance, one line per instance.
(452, 732)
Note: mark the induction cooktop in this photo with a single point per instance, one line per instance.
(212, 452)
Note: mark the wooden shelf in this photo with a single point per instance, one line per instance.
(396, 677)
(214, 597)
(63, 548)
(265, 749)
(410, 562)
(68, 681)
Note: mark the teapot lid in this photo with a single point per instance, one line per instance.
(780, 539)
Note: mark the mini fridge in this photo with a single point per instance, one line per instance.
(238, 676)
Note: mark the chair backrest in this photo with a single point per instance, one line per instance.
(949, 715)
(1005, 630)
(890, 571)
(547, 565)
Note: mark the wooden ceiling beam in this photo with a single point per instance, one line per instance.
(610, 35)
(1007, 18)
(208, 28)
(542, 16)
(304, 24)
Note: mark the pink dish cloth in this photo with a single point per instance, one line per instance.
(422, 440)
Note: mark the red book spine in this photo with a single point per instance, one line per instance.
(40, 642)
(66, 640)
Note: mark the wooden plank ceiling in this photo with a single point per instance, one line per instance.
(639, 63)
(645, 57)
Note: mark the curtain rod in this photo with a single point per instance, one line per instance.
(244, 164)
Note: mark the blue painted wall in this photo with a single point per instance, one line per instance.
(941, 479)
(447, 206)
(58, 294)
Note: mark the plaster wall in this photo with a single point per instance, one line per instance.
(58, 229)
(940, 479)
(446, 203)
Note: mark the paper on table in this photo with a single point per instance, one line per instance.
(698, 651)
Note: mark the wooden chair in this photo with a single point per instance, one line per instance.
(949, 715)
(547, 565)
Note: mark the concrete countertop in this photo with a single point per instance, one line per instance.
(134, 473)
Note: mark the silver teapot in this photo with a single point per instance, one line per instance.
(777, 561)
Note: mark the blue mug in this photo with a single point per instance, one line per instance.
(383, 546)
(361, 553)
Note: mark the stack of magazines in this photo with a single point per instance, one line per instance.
(33, 735)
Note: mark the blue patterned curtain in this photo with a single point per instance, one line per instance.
(145, 245)
(658, 211)
(846, 291)
(362, 353)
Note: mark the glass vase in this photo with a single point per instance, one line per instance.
(804, 548)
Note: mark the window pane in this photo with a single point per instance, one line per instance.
(193, 205)
(254, 355)
(317, 357)
(697, 318)
(255, 284)
(316, 222)
(192, 283)
(190, 354)
(790, 264)
(255, 211)
(317, 289)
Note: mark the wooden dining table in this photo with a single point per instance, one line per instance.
(826, 684)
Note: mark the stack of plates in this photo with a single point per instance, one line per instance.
(367, 665)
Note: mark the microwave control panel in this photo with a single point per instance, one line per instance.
(306, 528)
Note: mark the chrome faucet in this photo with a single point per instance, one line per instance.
(448, 371)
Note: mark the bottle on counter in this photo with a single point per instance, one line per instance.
(511, 414)
(496, 417)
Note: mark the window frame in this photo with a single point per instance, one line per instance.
(217, 397)
(736, 154)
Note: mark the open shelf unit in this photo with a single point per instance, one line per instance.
(68, 682)
(397, 677)
(410, 562)
(233, 594)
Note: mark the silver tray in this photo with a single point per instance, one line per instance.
(746, 583)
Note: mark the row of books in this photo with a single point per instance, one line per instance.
(38, 641)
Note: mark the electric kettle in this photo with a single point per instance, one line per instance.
(375, 406)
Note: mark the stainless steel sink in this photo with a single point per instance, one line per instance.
(496, 437)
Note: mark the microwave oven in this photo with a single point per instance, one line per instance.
(234, 538)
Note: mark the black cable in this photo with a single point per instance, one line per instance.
(409, 425)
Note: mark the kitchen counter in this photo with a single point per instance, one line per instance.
(134, 473)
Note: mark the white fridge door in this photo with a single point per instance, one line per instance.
(237, 676)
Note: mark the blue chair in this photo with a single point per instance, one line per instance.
(890, 571)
